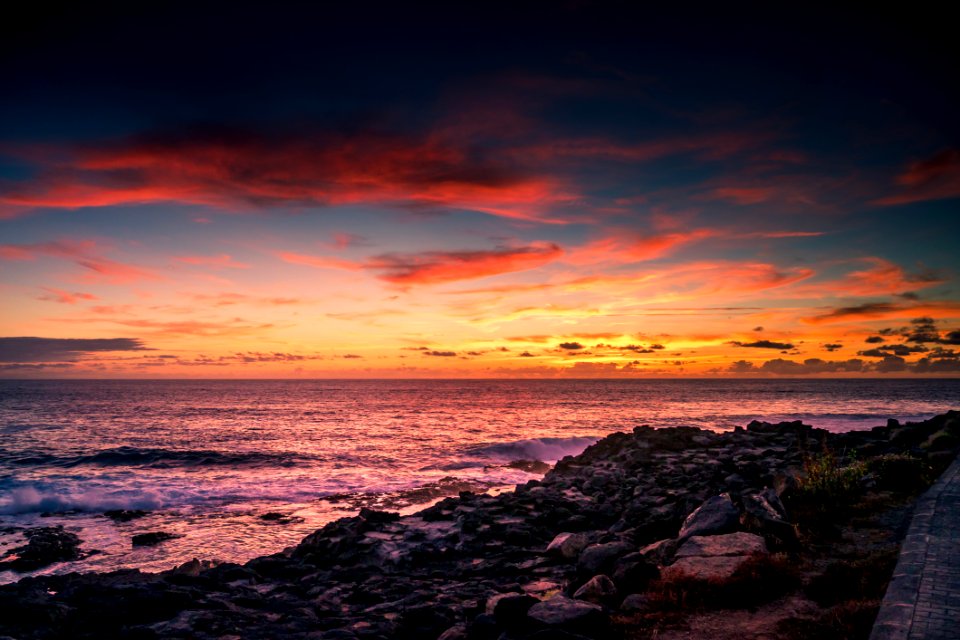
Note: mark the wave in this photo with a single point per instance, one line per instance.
(32, 500)
(544, 449)
(155, 458)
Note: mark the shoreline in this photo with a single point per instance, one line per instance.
(589, 550)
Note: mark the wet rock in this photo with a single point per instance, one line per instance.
(124, 515)
(371, 515)
(598, 589)
(45, 545)
(717, 515)
(531, 466)
(152, 538)
(568, 545)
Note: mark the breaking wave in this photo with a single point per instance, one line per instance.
(155, 458)
(545, 449)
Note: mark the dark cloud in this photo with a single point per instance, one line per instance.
(570, 346)
(636, 348)
(37, 366)
(758, 328)
(833, 347)
(29, 349)
(891, 350)
(891, 364)
(442, 354)
(875, 340)
(764, 344)
(527, 354)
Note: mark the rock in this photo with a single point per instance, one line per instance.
(635, 603)
(634, 572)
(456, 632)
(530, 466)
(510, 609)
(706, 568)
(152, 538)
(660, 552)
(192, 568)
(371, 515)
(568, 545)
(717, 515)
(600, 558)
(45, 545)
(124, 515)
(765, 514)
(715, 557)
(731, 544)
(568, 614)
(598, 589)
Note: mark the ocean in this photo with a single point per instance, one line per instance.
(208, 459)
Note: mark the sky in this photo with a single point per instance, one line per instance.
(489, 190)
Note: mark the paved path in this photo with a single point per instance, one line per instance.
(923, 599)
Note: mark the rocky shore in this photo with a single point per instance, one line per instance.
(608, 544)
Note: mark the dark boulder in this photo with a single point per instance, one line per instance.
(152, 538)
(45, 545)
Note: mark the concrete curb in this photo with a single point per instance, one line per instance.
(923, 597)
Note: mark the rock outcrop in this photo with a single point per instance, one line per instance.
(556, 554)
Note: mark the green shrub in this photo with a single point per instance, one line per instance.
(829, 483)
(900, 472)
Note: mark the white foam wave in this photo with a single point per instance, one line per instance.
(545, 449)
(32, 500)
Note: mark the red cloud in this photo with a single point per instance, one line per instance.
(230, 170)
(434, 267)
(627, 246)
(448, 266)
(935, 178)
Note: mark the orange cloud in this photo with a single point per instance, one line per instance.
(66, 297)
(222, 261)
(84, 254)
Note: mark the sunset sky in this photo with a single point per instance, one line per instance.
(567, 190)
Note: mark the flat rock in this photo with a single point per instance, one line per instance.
(730, 544)
(706, 567)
